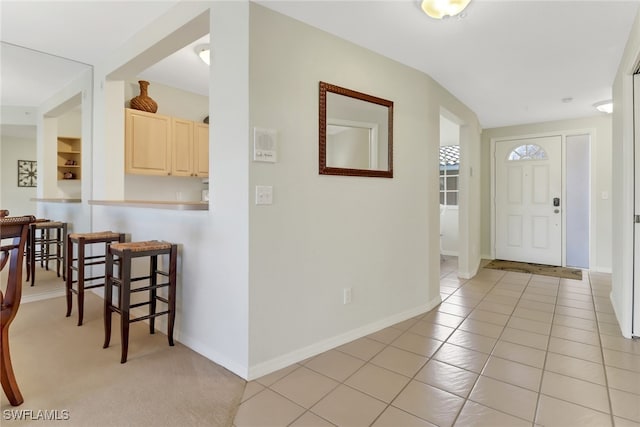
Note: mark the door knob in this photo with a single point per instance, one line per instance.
(556, 211)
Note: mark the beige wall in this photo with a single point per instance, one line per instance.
(323, 234)
(601, 171)
(16, 199)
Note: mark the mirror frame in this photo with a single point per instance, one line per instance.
(326, 170)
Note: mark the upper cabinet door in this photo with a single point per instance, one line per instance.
(182, 155)
(147, 143)
(201, 150)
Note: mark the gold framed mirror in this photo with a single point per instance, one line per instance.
(356, 133)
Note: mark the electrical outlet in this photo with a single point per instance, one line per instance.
(346, 296)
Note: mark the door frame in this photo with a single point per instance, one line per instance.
(592, 174)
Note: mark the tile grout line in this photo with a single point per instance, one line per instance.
(467, 399)
(546, 355)
(604, 365)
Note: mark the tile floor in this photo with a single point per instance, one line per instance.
(503, 349)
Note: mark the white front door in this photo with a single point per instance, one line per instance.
(528, 189)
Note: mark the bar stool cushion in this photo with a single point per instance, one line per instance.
(150, 245)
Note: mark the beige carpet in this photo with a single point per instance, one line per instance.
(62, 367)
(541, 269)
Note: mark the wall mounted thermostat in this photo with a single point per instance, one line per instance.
(265, 145)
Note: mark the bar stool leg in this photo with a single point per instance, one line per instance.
(173, 258)
(153, 281)
(69, 279)
(108, 296)
(32, 253)
(81, 254)
(125, 296)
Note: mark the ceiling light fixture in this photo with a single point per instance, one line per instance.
(204, 53)
(439, 9)
(604, 106)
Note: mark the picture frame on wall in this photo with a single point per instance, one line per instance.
(27, 173)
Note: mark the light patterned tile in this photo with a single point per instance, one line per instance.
(447, 377)
(394, 417)
(481, 328)
(429, 403)
(475, 414)
(386, 335)
(432, 330)
(573, 334)
(622, 360)
(489, 317)
(530, 325)
(520, 353)
(504, 397)
(577, 368)
(554, 412)
(363, 348)
(418, 344)
(267, 408)
(335, 364)
(461, 357)
(345, 406)
(309, 419)
(400, 361)
(575, 349)
(575, 391)
(304, 386)
(625, 405)
(622, 379)
(620, 343)
(377, 382)
(472, 341)
(525, 338)
(513, 373)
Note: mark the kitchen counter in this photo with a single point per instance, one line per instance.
(170, 205)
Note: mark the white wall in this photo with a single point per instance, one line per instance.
(261, 287)
(623, 187)
(601, 241)
(377, 236)
(16, 199)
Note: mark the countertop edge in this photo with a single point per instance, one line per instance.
(170, 205)
(47, 200)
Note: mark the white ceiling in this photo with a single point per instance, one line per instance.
(510, 61)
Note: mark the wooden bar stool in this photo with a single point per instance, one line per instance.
(123, 253)
(42, 236)
(29, 248)
(81, 240)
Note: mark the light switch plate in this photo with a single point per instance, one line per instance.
(264, 195)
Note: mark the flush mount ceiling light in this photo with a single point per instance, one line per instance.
(604, 106)
(204, 53)
(439, 9)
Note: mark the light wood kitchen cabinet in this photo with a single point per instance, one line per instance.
(164, 145)
(69, 157)
(182, 147)
(147, 143)
(201, 150)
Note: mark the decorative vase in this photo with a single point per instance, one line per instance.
(143, 101)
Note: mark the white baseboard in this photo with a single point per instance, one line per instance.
(264, 368)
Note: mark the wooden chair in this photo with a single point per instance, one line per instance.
(16, 230)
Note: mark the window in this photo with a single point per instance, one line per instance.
(528, 152)
(449, 173)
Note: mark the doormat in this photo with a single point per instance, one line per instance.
(541, 269)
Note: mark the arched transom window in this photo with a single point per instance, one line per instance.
(528, 152)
